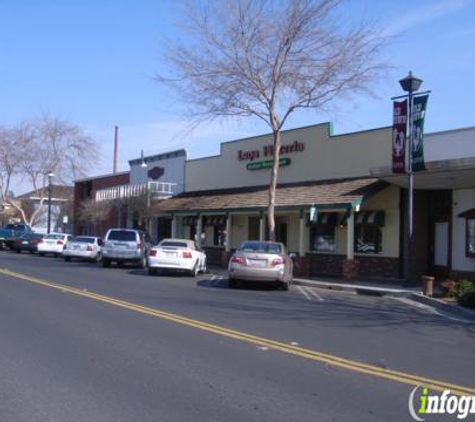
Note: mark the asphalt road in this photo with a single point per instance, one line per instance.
(83, 343)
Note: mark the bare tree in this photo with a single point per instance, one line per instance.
(267, 59)
(35, 148)
(94, 212)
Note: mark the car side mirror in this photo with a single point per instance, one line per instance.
(292, 255)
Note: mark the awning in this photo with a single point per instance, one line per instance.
(215, 220)
(366, 218)
(329, 218)
(190, 220)
(468, 213)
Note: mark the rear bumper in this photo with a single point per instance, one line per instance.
(171, 264)
(79, 254)
(122, 255)
(256, 274)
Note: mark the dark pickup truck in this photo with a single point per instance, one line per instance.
(10, 233)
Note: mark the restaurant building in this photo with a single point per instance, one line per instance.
(338, 206)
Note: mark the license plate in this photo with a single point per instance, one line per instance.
(25, 242)
(257, 262)
(170, 254)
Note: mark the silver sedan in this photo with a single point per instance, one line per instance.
(263, 262)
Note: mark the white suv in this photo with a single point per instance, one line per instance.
(125, 245)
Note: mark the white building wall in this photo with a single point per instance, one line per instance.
(450, 144)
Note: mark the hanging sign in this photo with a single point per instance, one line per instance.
(418, 114)
(399, 136)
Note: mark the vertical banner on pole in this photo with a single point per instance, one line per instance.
(399, 136)
(418, 114)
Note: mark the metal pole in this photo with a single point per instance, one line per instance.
(49, 203)
(410, 194)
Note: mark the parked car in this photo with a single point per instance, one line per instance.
(28, 242)
(262, 262)
(12, 232)
(53, 243)
(83, 247)
(126, 245)
(177, 255)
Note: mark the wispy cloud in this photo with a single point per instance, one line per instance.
(416, 16)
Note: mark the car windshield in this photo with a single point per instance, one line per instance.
(54, 236)
(261, 247)
(83, 240)
(126, 236)
(173, 244)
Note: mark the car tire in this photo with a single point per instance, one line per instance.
(142, 262)
(41, 253)
(152, 271)
(67, 258)
(233, 283)
(17, 251)
(105, 263)
(196, 269)
(284, 285)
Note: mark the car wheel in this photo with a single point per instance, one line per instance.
(106, 263)
(195, 270)
(41, 253)
(152, 271)
(233, 283)
(18, 251)
(284, 286)
(204, 268)
(67, 258)
(143, 262)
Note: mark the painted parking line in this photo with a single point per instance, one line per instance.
(309, 293)
(313, 355)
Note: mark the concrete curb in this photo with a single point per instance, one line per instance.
(456, 311)
(355, 288)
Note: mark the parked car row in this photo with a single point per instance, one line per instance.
(260, 261)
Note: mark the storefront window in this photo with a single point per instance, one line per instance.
(368, 238)
(470, 237)
(322, 238)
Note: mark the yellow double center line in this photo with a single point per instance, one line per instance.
(313, 355)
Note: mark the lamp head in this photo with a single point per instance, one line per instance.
(410, 83)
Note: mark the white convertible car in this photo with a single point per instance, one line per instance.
(177, 254)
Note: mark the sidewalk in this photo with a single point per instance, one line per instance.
(378, 288)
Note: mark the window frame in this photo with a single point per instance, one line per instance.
(468, 253)
(378, 246)
(312, 234)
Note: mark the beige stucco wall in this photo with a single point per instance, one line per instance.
(324, 157)
(463, 200)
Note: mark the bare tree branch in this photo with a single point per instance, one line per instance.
(268, 59)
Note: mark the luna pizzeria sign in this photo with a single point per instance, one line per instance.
(267, 151)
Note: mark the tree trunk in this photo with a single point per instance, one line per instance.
(273, 185)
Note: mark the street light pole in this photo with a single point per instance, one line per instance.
(410, 84)
(50, 176)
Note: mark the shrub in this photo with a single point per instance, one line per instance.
(448, 288)
(464, 292)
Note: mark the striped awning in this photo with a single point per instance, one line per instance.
(215, 220)
(366, 218)
(190, 220)
(330, 218)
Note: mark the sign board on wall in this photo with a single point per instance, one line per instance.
(267, 151)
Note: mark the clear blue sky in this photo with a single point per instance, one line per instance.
(92, 62)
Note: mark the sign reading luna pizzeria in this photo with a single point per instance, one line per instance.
(267, 151)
